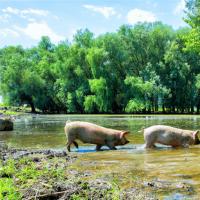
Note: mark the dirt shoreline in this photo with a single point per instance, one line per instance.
(47, 174)
(50, 175)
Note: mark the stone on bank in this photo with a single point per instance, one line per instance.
(6, 124)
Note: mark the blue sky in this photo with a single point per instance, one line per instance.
(25, 21)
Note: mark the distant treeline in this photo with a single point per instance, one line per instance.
(144, 68)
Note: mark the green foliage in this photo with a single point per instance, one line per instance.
(8, 190)
(140, 68)
(8, 170)
(99, 88)
(193, 19)
(198, 81)
(96, 59)
(134, 105)
(70, 103)
(90, 104)
(17, 175)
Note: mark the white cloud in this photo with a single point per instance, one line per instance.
(31, 19)
(37, 12)
(25, 13)
(137, 15)
(180, 7)
(105, 11)
(35, 30)
(11, 10)
(4, 17)
(7, 32)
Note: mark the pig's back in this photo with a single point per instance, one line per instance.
(84, 126)
(80, 125)
(159, 129)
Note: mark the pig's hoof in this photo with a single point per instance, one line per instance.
(113, 148)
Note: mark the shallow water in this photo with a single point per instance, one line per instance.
(172, 173)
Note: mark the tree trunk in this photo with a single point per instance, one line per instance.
(198, 107)
(163, 108)
(192, 108)
(32, 107)
(198, 102)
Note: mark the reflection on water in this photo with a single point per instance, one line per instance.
(174, 173)
(177, 169)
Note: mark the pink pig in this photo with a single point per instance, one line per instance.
(94, 134)
(168, 135)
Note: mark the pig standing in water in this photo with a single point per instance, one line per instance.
(94, 134)
(168, 135)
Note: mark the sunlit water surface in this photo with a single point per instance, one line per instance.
(173, 168)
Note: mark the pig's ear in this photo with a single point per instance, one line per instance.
(195, 133)
(123, 133)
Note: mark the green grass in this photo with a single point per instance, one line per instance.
(13, 110)
(19, 175)
(8, 170)
(26, 177)
(8, 190)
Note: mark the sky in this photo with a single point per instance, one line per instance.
(24, 22)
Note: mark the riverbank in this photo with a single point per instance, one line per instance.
(50, 174)
(54, 174)
(22, 110)
(34, 164)
(13, 110)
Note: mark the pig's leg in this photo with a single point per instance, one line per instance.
(149, 141)
(149, 145)
(113, 148)
(111, 145)
(76, 144)
(69, 143)
(68, 146)
(185, 145)
(71, 139)
(98, 147)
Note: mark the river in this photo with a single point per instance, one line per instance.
(174, 173)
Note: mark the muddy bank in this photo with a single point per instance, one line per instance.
(56, 174)
(49, 174)
(16, 154)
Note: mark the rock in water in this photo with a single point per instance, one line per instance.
(6, 124)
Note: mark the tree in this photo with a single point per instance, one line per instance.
(193, 19)
(136, 93)
(198, 92)
(140, 68)
(99, 88)
(19, 82)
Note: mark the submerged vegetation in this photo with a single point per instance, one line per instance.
(148, 67)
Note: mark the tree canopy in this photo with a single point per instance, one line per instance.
(149, 67)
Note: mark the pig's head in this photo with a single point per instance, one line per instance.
(122, 139)
(196, 138)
